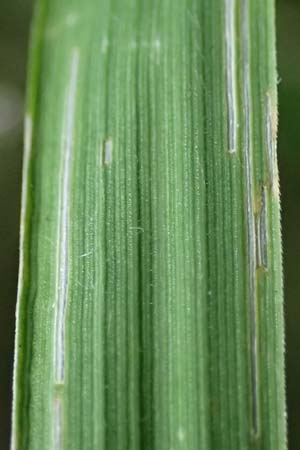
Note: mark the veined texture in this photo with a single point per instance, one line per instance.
(150, 293)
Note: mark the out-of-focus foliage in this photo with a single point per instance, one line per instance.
(288, 32)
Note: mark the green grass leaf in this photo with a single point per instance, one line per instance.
(150, 293)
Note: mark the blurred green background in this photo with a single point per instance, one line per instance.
(288, 41)
(14, 29)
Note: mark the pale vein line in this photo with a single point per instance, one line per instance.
(230, 39)
(270, 140)
(108, 152)
(261, 232)
(63, 232)
(57, 424)
(26, 159)
(250, 221)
